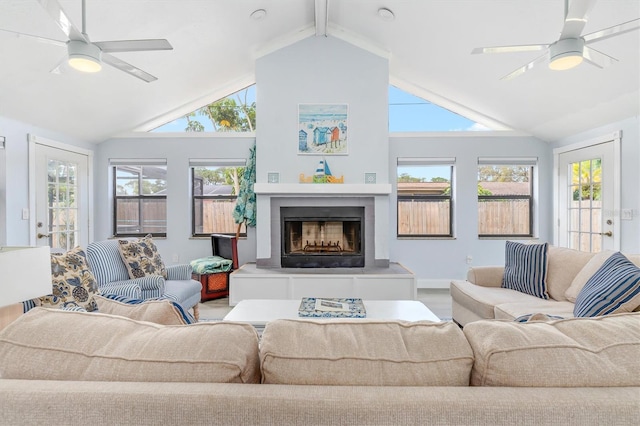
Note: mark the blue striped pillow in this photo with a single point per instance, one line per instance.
(615, 287)
(525, 268)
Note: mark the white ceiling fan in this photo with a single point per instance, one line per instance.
(88, 56)
(572, 47)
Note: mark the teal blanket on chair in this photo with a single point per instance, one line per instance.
(211, 265)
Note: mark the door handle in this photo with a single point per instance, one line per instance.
(40, 236)
(607, 234)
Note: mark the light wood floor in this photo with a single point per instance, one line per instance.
(438, 300)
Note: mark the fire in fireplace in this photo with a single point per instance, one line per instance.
(322, 237)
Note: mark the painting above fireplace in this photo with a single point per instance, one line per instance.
(322, 237)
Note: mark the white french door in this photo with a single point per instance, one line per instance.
(61, 185)
(587, 196)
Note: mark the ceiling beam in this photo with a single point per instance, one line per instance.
(322, 17)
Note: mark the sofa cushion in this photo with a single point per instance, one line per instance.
(72, 281)
(50, 344)
(482, 300)
(573, 352)
(525, 268)
(159, 311)
(589, 269)
(564, 265)
(515, 309)
(615, 287)
(141, 257)
(364, 352)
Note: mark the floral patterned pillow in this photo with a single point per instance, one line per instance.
(73, 282)
(141, 257)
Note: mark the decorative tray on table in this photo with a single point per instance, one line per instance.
(315, 307)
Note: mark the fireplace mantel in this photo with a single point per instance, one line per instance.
(321, 189)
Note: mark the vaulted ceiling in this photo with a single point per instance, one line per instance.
(216, 42)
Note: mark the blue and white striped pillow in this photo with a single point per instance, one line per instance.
(525, 268)
(614, 288)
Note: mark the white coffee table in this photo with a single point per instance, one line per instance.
(258, 312)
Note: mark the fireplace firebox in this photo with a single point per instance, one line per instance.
(322, 237)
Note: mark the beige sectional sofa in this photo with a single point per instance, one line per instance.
(481, 295)
(62, 367)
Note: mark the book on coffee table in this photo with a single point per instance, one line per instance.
(316, 307)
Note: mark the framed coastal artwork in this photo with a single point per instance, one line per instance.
(322, 129)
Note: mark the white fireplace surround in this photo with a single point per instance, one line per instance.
(373, 197)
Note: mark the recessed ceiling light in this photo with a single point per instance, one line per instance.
(386, 14)
(258, 14)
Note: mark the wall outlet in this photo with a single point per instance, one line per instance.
(175, 258)
(469, 260)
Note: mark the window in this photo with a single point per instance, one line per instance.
(505, 197)
(425, 207)
(214, 190)
(410, 113)
(234, 113)
(139, 197)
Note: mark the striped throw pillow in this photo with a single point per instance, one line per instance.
(525, 268)
(614, 288)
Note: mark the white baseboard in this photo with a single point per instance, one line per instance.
(426, 283)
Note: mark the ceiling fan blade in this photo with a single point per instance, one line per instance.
(133, 45)
(37, 38)
(597, 58)
(61, 18)
(60, 66)
(525, 68)
(612, 31)
(509, 49)
(128, 68)
(576, 18)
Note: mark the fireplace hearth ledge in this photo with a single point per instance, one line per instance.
(393, 283)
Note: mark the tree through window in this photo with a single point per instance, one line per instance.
(234, 113)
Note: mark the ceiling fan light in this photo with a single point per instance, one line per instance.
(84, 57)
(565, 62)
(566, 53)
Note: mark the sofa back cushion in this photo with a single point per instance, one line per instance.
(105, 261)
(159, 311)
(51, 344)
(574, 352)
(365, 352)
(564, 265)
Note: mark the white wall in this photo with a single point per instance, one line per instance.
(322, 70)
(14, 182)
(177, 149)
(436, 261)
(630, 175)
